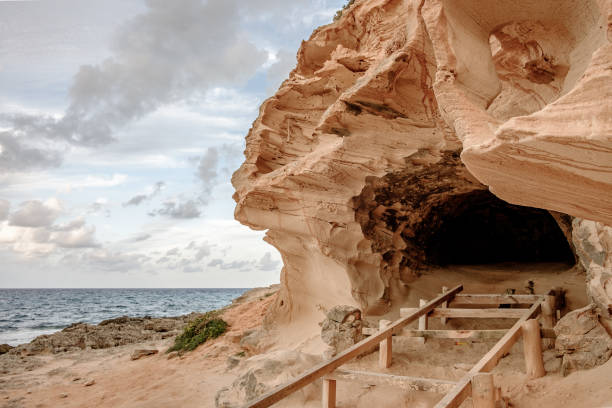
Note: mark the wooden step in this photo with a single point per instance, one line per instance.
(470, 313)
(459, 334)
(479, 299)
(407, 383)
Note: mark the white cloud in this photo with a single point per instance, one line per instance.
(284, 61)
(106, 260)
(163, 55)
(171, 86)
(5, 207)
(236, 265)
(179, 210)
(266, 263)
(140, 198)
(140, 238)
(77, 237)
(36, 213)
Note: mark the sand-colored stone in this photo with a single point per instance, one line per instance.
(402, 106)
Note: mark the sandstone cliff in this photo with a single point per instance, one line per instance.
(403, 115)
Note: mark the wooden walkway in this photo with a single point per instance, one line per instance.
(477, 383)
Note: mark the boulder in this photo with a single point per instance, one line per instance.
(138, 354)
(263, 372)
(341, 329)
(4, 348)
(254, 341)
(115, 332)
(581, 340)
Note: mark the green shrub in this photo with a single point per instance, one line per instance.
(339, 12)
(208, 326)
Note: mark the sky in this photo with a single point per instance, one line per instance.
(121, 122)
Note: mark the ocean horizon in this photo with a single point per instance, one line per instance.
(26, 313)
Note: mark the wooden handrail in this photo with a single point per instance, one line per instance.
(463, 389)
(328, 367)
(486, 299)
(471, 313)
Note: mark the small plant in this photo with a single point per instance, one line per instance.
(339, 12)
(208, 326)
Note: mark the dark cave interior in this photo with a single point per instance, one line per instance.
(479, 228)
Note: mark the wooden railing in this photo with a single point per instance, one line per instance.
(477, 383)
(329, 366)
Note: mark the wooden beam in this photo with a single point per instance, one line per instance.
(456, 334)
(456, 397)
(481, 299)
(326, 367)
(329, 393)
(483, 391)
(444, 305)
(548, 320)
(422, 320)
(385, 350)
(490, 360)
(404, 382)
(471, 313)
(459, 334)
(532, 347)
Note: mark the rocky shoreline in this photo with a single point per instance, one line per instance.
(118, 331)
(108, 333)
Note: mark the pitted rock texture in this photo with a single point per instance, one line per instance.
(582, 340)
(529, 93)
(108, 333)
(263, 372)
(341, 329)
(441, 99)
(593, 242)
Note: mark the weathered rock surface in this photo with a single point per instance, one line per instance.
(404, 114)
(254, 341)
(5, 348)
(341, 328)
(529, 94)
(263, 372)
(593, 242)
(109, 333)
(140, 353)
(582, 340)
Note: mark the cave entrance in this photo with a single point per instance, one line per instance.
(479, 228)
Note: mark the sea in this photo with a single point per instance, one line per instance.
(28, 313)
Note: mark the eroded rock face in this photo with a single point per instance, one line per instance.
(341, 329)
(529, 93)
(109, 333)
(593, 242)
(263, 372)
(403, 108)
(582, 340)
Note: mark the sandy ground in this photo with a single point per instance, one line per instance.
(187, 381)
(193, 379)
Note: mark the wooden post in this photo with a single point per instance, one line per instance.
(532, 347)
(422, 320)
(548, 320)
(444, 305)
(483, 391)
(329, 393)
(385, 354)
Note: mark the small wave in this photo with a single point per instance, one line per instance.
(47, 326)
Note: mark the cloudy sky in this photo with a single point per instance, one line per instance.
(121, 122)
